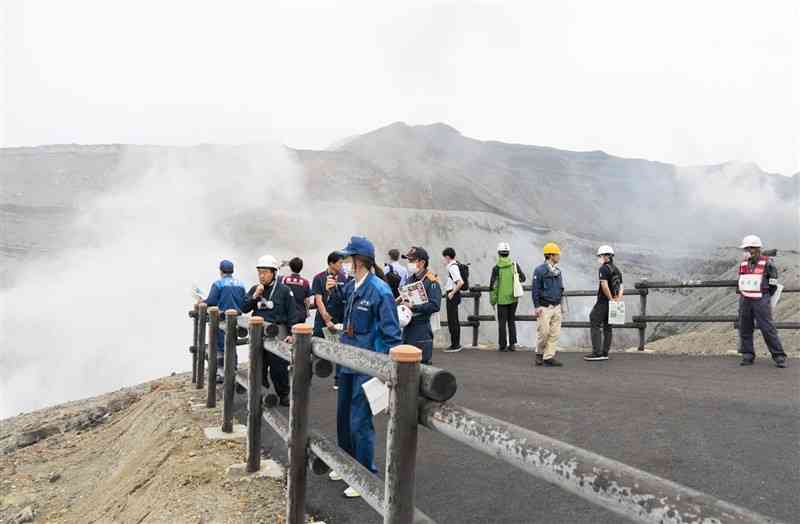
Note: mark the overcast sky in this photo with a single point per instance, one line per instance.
(683, 82)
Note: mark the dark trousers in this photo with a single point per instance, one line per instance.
(452, 321)
(354, 430)
(758, 310)
(601, 342)
(276, 369)
(418, 334)
(507, 318)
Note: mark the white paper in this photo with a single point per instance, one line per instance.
(616, 313)
(776, 297)
(436, 322)
(333, 336)
(197, 293)
(377, 395)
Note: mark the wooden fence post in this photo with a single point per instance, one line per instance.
(194, 342)
(401, 445)
(213, 333)
(229, 384)
(201, 344)
(476, 326)
(300, 382)
(256, 377)
(643, 312)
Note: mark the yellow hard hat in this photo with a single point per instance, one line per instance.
(552, 248)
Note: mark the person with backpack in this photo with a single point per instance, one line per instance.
(395, 274)
(610, 289)
(506, 289)
(457, 279)
(300, 287)
(419, 332)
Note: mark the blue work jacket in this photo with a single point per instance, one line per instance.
(227, 293)
(548, 286)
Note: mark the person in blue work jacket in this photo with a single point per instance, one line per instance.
(226, 293)
(273, 301)
(418, 332)
(370, 323)
(547, 292)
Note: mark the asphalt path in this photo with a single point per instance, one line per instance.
(702, 421)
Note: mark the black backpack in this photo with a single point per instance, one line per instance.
(464, 270)
(393, 279)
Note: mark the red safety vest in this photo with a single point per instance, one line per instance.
(750, 280)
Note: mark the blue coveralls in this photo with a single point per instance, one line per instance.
(370, 323)
(752, 310)
(418, 332)
(226, 293)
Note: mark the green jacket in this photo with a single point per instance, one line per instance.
(502, 281)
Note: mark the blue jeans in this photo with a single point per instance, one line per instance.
(354, 430)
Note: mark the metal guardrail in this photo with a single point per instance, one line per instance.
(639, 322)
(418, 396)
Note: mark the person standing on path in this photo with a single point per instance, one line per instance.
(610, 289)
(505, 275)
(548, 291)
(455, 282)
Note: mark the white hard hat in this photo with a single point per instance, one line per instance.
(605, 250)
(268, 262)
(503, 246)
(404, 314)
(751, 241)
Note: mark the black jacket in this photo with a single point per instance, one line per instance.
(283, 311)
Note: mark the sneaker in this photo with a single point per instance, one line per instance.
(502, 350)
(539, 360)
(334, 476)
(553, 363)
(453, 349)
(512, 348)
(594, 358)
(284, 400)
(747, 362)
(351, 493)
(780, 362)
(336, 387)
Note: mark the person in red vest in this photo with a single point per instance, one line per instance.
(758, 281)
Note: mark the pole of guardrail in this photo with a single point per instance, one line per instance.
(256, 377)
(193, 349)
(401, 444)
(300, 382)
(229, 383)
(643, 312)
(213, 333)
(201, 343)
(477, 325)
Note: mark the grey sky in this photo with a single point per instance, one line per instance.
(683, 82)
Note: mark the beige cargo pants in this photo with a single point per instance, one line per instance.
(548, 330)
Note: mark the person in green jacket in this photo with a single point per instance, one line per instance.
(502, 296)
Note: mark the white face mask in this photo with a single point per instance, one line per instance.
(600, 261)
(347, 267)
(412, 267)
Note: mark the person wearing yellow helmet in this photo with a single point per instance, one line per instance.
(548, 291)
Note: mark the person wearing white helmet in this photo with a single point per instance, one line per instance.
(609, 289)
(506, 274)
(758, 281)
(273, 301)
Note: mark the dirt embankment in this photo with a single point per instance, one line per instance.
(138, 455)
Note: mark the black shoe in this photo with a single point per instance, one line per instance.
(503, 350)
(553, 363)
(453, 349)
(220, 379)
(284, 400)
(747, 361)
(780, 362)
(539, 360)
(240, 389)
(594, 358)
(512, 348)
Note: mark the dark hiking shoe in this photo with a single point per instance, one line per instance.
(452, 349)
(594, 358)
(747, 361)
(552, 363)
(512, 348)
(503, 350)
(284, 400)
(780, 362)
(539, 360)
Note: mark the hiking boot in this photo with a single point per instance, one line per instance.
(553, 363)
(284, 400)
(539, 360)
(452, 349)
(780, 362)
(594, 358)
(351, 493)
(747, 361)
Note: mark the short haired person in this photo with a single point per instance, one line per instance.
(371, 324)
(225, 293)
(548, 292)
(272, 300)
(301, 288)
(419, 332)
(453, 286)
(328, 315)
(502, 296)
(610, 289)
(395, 273)
(758, 281)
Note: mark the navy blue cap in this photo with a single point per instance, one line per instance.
(417, 253)
(359, 246)
(226, 266)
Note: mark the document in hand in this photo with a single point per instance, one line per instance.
(414, 294)
(616, 313)
(377, 395)
(776, 297)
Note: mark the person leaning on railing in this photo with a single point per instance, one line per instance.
(370, 323)
(758, 281)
